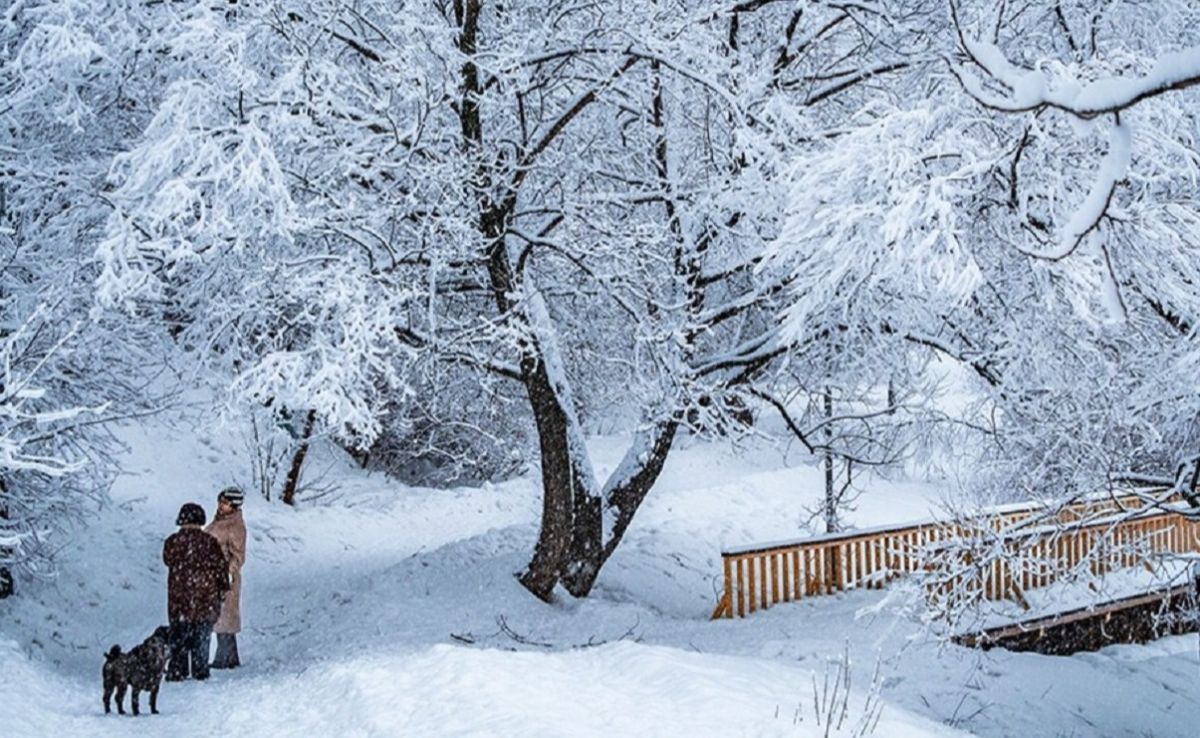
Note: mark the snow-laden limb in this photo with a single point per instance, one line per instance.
(44, 453)
(56, 61)
(196, 181)
(1031, 89)
(1003, 86)
(344, 362)
(1113, 169)
(881, 208)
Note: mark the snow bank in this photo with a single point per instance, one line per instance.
(619, 689)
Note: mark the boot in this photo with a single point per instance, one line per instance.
(227, 652)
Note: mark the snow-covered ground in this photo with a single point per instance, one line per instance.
(388, 610)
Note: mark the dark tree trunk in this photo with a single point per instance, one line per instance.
(831, 516)
(6, 577)
(585, 555)
(293, 476)
(554, 537)
(623, 501)
(559, 484)
(570, 546)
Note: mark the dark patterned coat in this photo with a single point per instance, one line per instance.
(198, 576)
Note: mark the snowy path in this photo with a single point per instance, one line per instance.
(619, 689)
(359, 615)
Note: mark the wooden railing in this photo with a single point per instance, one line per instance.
(1009, 566)
(759, 576)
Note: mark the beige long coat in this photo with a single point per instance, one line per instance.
(230, 532)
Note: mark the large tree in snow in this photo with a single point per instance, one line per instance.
(683, 207)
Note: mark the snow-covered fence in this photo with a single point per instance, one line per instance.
(971, 568)
(758, 576)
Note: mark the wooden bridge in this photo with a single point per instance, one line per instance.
(1039, 543)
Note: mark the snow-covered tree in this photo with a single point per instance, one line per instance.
(393, 220)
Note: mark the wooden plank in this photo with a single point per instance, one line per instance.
(845, 573)
(875, 556)
(797, 585)
(740, 569)
(1029, 566)
(777, 579)
(844, 556)
(727, 595)
(781, 563)
(826, 579)
(854, 564)
(764, 603)
(750, 589)
(773, 588)
(722, 610)
(810, 571)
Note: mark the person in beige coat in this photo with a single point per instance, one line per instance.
(230, 531)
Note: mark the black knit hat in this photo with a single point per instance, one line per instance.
(191, 514)
(233, 496)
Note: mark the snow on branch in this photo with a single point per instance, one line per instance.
(1087, 216)
(880, 208)
(1004, 86)
(23, 426)
(1025, 90)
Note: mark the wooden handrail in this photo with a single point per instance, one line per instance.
(761, 575)
(1037, 558)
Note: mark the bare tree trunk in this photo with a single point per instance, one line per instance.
(1190, 493)
(570, 545)
(585, 555)
(293, 476)
(559, 472)
(589, 551)
(559, 487)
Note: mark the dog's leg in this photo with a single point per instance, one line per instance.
(154, 700)
(108, 690)
(134, 700)
(121, 698)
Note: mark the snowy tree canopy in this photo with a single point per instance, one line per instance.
(404, 215)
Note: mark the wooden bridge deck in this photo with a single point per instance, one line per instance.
(1133, 619)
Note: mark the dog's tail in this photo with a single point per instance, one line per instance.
(113, 653)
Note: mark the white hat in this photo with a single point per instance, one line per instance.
(233, 496)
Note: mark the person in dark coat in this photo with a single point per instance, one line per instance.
(196, 584)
